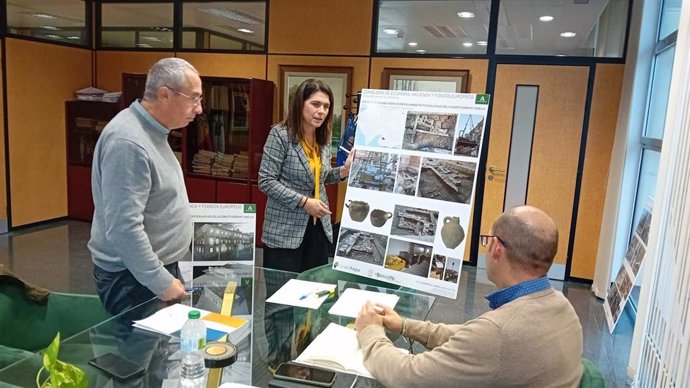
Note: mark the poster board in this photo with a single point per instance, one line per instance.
(224, 233)
(618, 293)
(411, 186)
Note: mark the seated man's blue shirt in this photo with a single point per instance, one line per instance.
(509, 294)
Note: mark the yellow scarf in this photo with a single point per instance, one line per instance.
(314, 158)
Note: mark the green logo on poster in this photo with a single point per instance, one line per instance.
(482, 99)
(250, 208)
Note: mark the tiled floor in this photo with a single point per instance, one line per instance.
(55, 256)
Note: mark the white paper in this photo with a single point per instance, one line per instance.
(292, 294)
(351, 301)
(167, 320)
(335, 348)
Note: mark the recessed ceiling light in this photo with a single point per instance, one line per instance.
(468, 44)
(390, 31)
(52, 28)
(561, 55)
(466, 15)
(412, 44)
(568, 34)
(421, 51)
(151, 38)
(232, 14)
(245, 30)
(546, 18)
(482, 43)
(43, 15)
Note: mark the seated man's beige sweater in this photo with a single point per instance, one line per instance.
(533, 341)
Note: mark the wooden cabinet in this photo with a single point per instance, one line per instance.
(85, 121)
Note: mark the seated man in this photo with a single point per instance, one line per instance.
(531, 337)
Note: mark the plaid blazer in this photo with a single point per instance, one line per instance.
(285, 176)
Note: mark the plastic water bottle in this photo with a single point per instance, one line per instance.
(193, 338)
(193, 372)
(193, 335)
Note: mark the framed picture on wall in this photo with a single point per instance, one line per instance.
(425, 80)
(339, 79)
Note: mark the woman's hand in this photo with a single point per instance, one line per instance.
(391, 320)
(345, 168)
(316, 208)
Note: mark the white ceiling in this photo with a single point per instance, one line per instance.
(520, 31)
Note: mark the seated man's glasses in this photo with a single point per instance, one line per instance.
(195, 100)
(484, 239)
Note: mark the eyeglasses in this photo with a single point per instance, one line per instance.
(484, 240)
(195, 100)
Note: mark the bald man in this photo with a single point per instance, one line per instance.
(531, 337)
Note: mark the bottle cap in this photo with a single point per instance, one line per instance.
(194, 314)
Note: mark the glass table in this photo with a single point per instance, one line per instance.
(278, 333)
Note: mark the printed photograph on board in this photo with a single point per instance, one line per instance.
(362, 246)
(408, 175)
(227, 241)
(438, 264)
(430, 131)
(469, 135)
(373, 170)
(409, 257)
(452, 273)
(415, 223)
(446, 180)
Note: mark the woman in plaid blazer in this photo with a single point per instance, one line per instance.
(295, 167)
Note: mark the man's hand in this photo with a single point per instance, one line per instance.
(174, 293)
(369, 315)
(316, 208)
(391, 320)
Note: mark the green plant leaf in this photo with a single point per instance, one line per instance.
(51, 353)
(62, 374)
(66, 375)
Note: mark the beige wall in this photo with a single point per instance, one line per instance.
(3, 175)
(608, 84)
(37, 90)
(320, 27)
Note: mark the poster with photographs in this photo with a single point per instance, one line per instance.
(410, 190)
(224, 233)
(619, 292)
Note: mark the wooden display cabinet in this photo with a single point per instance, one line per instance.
(85, 121)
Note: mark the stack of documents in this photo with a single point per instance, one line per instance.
(169, 321)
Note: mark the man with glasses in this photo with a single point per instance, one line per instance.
(531, 337)
(142, 224)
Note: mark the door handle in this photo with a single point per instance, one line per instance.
(495, 170)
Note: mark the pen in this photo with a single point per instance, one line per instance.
(318, 294)
(194, 289)
(344, 149)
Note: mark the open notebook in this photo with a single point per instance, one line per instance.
(335, 348)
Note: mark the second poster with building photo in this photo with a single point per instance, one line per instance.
(223, 234)
(407, 204)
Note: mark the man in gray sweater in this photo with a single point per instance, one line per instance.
(531, 337)
(142, 224)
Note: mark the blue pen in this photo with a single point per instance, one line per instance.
(318, 294)
(194, 289)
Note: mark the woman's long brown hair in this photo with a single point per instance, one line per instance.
(293, 121)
